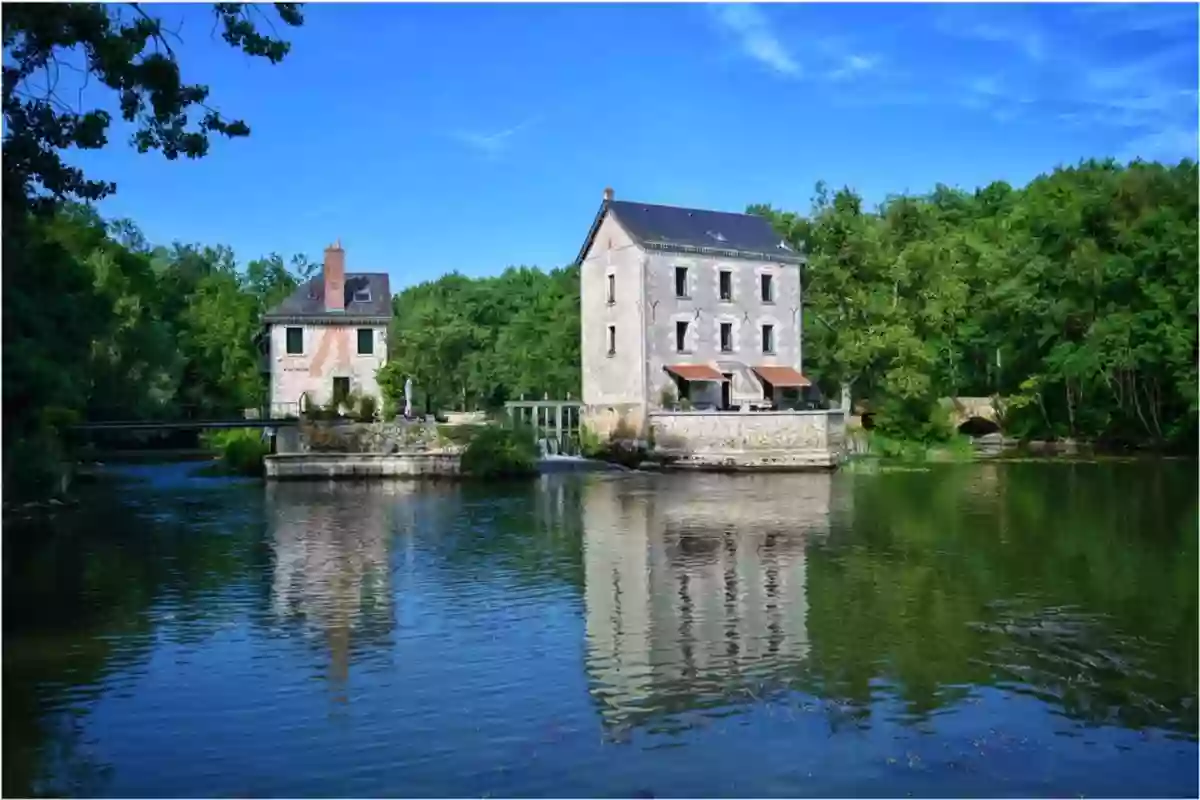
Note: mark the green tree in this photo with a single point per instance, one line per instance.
(81, 311)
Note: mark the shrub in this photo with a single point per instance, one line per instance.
(500, 451)
(459, 434)
(366, 408)
(591, 444)
(241, 450)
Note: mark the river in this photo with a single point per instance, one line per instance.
(987, 629)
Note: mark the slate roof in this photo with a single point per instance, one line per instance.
(309, 298)
(694, 230)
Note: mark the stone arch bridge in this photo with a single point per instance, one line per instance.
(974, 416)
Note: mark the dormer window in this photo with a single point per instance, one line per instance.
(362, 295)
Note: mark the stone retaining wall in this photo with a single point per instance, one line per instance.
(336, 437)
(762, 440)
(326, 466)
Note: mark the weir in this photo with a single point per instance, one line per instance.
(554, 424)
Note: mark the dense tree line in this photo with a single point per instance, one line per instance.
(475, 343)
(1073, 297)
(109, 327)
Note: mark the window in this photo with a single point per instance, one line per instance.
(726, 285)
(768, 289)
(612, 340)
(366, 341)
(726, 337)
(362, 295)
(295, 341)
(681, 282)
(681, 337)
(768, 338)
(612, 289)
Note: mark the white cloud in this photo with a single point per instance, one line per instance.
(1121, 18)
(1170, 144)
(852, 66)
(755, 37)
(1026, 38)
(491, 144)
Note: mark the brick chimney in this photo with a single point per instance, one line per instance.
(335, 277)
(608, 194)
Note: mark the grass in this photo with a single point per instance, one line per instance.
(957, 449)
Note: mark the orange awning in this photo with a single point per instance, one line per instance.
(694, 372)
(782, 377)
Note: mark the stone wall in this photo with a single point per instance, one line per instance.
(330, 351)
(750, 440)
(364, 437)
(622, 421)
(704, 312)
(333, 466)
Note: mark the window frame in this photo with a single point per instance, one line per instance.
(725, 286)
(612, 340)
(611, 289)
(725, 342)
(681, 331)
(681, 272)
(370, 338)
(287, 340)
(768, 338)
(766, 287)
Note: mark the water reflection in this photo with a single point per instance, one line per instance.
(987, 629)
(332, 570)
(696, 589)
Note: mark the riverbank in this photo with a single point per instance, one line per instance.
(863, 444)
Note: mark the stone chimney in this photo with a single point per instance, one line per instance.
(608, 194)
(335, 277)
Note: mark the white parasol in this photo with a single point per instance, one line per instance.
(408, 397)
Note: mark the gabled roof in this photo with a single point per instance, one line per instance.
(309, 299)
(693, 230)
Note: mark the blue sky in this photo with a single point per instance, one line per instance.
(471, 137)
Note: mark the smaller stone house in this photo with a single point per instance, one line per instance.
(329, 338)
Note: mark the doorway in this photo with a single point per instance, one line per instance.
(341, 390)
(726, 391)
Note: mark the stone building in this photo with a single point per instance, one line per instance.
(329, 338)
(687, 308)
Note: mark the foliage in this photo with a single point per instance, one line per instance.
(127, 50)
(473, 344)
(241, 450)
(460, 435)
(591, 444)
(498, 451)
(109, 327)
(1074, 297)
(95, 322)
(366, 408)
